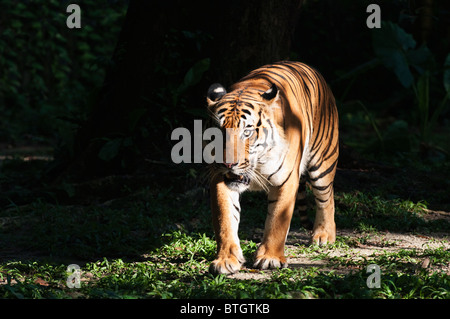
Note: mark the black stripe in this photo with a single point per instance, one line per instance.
(318, 139)
(323, 200)
(259, 122)
(321, 188)
(264, 143)
(295, 161)
(237, 208)
(278, 169)
(332, 152)
(315, 167)
(286, 179)
(330, 190)
(324, 173)
(330, 194)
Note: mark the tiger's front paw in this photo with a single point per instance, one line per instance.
(226, 265)
(269, 262)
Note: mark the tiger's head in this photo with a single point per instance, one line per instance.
(253, 139)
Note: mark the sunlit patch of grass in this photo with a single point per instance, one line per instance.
(369, 213)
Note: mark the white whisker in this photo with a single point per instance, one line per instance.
(259, 179)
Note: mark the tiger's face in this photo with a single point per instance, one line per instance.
(251, 136)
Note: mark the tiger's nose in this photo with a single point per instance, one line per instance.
(230, 165)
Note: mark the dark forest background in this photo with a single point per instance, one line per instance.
(102, 100)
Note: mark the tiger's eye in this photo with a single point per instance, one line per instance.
(248, 133)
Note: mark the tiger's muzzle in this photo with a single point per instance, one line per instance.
(231, 178)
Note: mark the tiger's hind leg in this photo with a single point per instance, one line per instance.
(300, 205)
(324, 230)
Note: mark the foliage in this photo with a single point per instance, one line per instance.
(413, 128)
(50, 73)
(397, 51)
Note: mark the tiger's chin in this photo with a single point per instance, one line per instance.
(239, 183)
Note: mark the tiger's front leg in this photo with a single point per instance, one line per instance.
(270, 253)
(226, 215)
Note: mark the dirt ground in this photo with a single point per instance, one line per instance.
(374, 245)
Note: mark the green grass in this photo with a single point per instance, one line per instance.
(367, 212)
(178, 269)
(159, 244)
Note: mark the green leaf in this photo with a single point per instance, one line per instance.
(134, 117)
(391, 44)
(447, 73)
(443, 104)
(16, 24)
(110, 149)
(397, 137)
(421, 59)
(195, 73)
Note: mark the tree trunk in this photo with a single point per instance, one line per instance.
(252, 33)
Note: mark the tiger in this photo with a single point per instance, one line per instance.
(285, 121)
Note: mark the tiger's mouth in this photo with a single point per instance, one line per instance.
(238, 179)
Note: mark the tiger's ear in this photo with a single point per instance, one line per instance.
(215, 93)
(271, 93)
